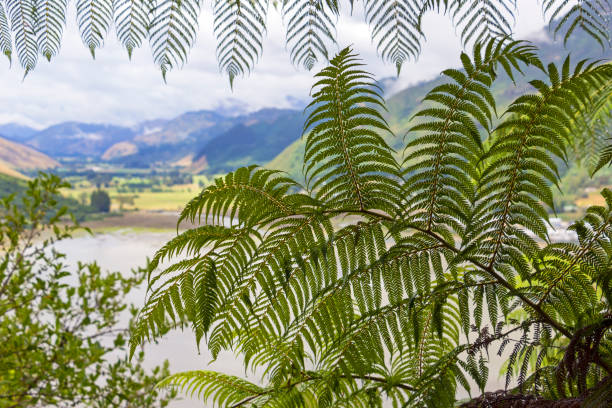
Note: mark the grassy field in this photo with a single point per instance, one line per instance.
(171, 199)
(159, 198)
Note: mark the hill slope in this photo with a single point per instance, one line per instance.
(15, 157)
(258, 138)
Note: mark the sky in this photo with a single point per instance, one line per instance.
(113, 89)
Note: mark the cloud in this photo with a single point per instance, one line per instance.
(113, 89)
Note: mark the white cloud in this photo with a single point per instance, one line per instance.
(114, 90)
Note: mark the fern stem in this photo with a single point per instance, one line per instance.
(489, 269)
(308, 377)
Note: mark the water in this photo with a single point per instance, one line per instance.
(124, 251)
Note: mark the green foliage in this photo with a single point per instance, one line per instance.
(64, 330)
(6, 43)
(50, 26)
(482, 20)
(132, 20)
(346, 161)
(10, 186)
(396, 26)
(310, 29)
(94, 19)
(382, 280)
(240, 25)
(100, 201)
(239, 28)
(22, 17)
(172, 32)
(592, 16)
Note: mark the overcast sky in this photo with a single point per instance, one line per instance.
(112, 89)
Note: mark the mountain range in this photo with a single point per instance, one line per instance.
(213, 142)
(195, 141)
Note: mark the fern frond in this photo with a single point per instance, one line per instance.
(51, 18)
(483, 20)
(347, 163)
(6, 42)
(396, 27)
(442, 160)
(132, 21)
(310, 29)
(239, 28)
(520, 167)
(173, 32)
(592, 142)
(248, 195)
(23, 25)
(94, 18)
(572, 268)
(223, 390)
(590, 16)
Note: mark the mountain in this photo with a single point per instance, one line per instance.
(74, 139)
(16, 157)
(16, 132)
(257, 138)
(210, 142)
(169, 141)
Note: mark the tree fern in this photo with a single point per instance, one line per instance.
(225, 390)
(94, 19)
(239, 28)
(396, 26)
(132, 21)
(23, 25)
(481, 20)
(51, 18)
(591, 16)
(521, 160)
(389, 282)
(442, 161)
(6, 42)
(172, 33)
(310, 28)
(346, 160)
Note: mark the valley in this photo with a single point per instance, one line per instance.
(158, 165)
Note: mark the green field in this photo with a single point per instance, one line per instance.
(123, 198)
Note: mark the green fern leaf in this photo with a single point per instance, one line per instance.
(310, 29)
(6, 42)
(132, 21)
(481, 21)
(51, 18)
(173, 32)
(239, 28)
(346, 162)
(94, 18)
(396, 26)
(23, 23)
(591, 16)
(223, 390)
